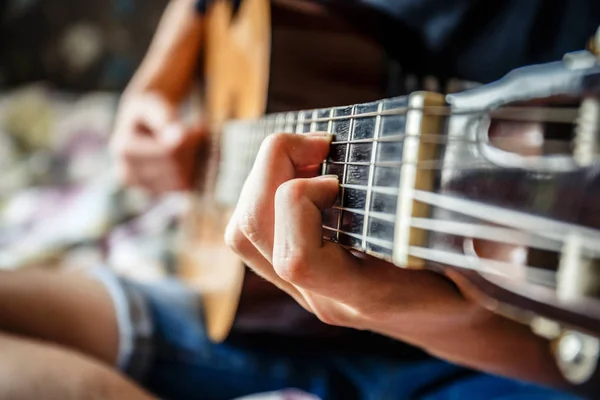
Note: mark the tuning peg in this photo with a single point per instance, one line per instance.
(577, 355)
(594, 44)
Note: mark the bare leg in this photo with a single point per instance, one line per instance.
(68, 309)
(34, 370)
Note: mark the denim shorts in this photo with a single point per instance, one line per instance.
(164, 347)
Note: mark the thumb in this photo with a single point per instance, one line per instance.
(172, 135)
(176, 134)
(157, 112)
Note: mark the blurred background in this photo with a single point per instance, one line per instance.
(63, 65)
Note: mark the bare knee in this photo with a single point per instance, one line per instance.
(71, 310)
(77, 377)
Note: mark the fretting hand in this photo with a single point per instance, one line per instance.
(276, 230)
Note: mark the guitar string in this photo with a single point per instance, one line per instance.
(534, 239)
(391, 190)
(533, 274)
(426, 136)
(434, 138)
(543, 226)
(557, 145)
(549, 114)
(434, 164)
(430, 164)
(548, 228)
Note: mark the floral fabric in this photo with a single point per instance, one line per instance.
(60, 203)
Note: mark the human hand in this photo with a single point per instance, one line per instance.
(276, 230)
(153, 149)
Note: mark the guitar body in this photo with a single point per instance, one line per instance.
(235, 78)
(260, 58)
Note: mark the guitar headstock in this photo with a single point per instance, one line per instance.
(518, 201)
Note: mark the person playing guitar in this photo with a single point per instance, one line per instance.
(336, 322)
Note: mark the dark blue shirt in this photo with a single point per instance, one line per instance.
(481, 40)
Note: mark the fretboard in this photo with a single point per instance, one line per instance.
(367, 153)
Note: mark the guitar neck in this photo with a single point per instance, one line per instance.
(375, 152)
(424, 185)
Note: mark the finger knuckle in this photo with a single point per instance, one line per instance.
(331, 317)
(292, 267)
(249, 226)
(290, 192)
(235, 239)
(275, 143)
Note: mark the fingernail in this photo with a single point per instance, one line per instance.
(328, 177)
(320, 135)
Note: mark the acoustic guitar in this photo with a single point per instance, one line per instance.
(500, 183)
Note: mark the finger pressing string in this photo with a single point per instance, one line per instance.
(279, 159)
(299, 255)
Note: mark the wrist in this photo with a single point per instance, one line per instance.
(157, 83)
(487, 342)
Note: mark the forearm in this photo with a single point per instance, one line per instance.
(171, 60)
(490, 343)
(35, 370)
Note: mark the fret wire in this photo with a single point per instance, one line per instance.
(270, 125)
(329, 131)
(279, 122)
(375, 241)
(313, 124)
(295, 123)
(300, 122)
(330, 122)
(371, 175)
(289, 122)
(345, 175)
